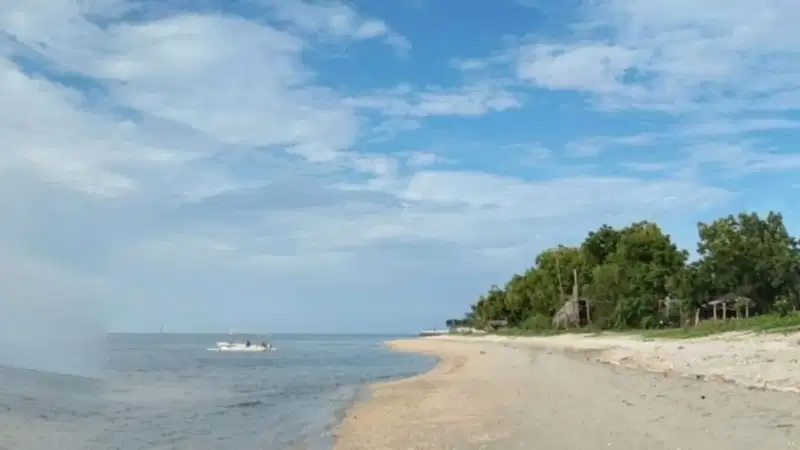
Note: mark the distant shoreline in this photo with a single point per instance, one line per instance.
(245, 333)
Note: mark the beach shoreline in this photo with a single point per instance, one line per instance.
(497, 392)
(365, 393)
(321, 435)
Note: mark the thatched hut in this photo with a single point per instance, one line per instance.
(576, 310)
(567, 315)
(573, 314)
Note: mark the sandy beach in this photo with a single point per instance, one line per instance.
(576, 392)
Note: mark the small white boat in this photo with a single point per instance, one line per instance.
(225, 346)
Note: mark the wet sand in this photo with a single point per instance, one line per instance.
(552, 393)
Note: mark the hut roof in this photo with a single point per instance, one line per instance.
(721, 300)
(730, 299)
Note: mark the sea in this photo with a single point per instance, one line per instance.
(168, 391)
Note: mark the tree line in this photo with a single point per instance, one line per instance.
(637, 277)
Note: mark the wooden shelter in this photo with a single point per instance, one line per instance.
(730, 302)
(493, 325)
(720, 307)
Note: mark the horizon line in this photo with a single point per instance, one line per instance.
(294, 333)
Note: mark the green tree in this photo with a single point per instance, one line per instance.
(637, 271)
(600, 244)
(491, 306)
(750, 256)
(692, 286)
(630, 274)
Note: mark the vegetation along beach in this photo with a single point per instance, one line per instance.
(623, 341)
(399, 224)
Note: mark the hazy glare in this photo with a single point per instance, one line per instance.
(53, 336)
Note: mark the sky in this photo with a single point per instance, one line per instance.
(326, 166)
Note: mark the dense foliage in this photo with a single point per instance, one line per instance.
(636, 277)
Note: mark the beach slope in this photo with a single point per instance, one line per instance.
(501, 394)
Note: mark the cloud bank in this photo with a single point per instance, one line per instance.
(214, 166)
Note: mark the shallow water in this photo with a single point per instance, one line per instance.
(169, 392)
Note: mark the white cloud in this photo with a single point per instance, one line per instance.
(420, 159)
(379, 165)
(184, 158)
(462, 211)
(598, 68)
(389, 128)
(470, 64)
(175, 98)
(536, 154)
(742, 157)
(338, 20)
(45, 131)
(743, 126)
(470, 100)
(595, 144)
(512, 198)
(722, 158)
(727, 74)
(256, 91)
(663, 56)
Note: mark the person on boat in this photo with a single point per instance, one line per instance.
(247, 344)
(264, 344)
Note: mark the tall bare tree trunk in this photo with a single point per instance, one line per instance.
(561, 287)
(575, 300)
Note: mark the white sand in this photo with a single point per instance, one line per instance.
(508, 393)
(768, 361)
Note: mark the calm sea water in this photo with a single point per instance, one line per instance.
(169, 392)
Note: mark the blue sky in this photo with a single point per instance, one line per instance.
(300, 166)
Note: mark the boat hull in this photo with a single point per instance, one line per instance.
(240, 348)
